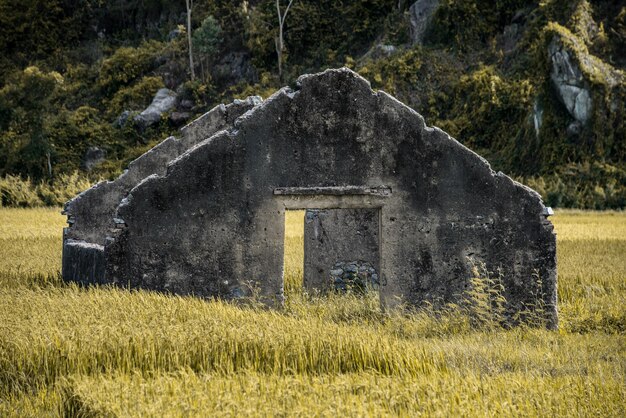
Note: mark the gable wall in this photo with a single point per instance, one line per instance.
(214, 226)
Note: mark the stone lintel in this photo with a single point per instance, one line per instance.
(334, 191)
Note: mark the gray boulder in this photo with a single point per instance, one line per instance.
(122, 119)
(163, 102)
(420, 15)
(510, 37)
(569, 82)
(186, 104)
(574, 129)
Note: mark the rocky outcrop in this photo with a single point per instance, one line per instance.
(512, 33)
(179, 118)
(420, 15)
(537, 117)
(164, 101)
(122, 119)
(569, 81)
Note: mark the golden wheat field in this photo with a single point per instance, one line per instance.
(67, 351)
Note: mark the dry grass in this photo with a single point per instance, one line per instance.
(363, 394)
(110, 352)
(592, 270)
(30, 246)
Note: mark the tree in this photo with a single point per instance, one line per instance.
(280, 40)
(189, 4)
(24, 112)
(207, 39)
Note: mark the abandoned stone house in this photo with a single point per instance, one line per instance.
(402, 204)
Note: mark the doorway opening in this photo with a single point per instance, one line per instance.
(333, 251)
(293, 268)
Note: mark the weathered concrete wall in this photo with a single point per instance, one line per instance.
(91, 213)
(338, 243)
(216, 218)
(83, 262)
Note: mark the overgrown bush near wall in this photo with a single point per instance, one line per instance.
(586, 185)
(485, 107)
(71, 132)
(16, 192)
(421, 77)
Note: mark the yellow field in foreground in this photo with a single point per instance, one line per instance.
(110, 352)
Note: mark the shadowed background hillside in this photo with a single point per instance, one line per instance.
(537, 87)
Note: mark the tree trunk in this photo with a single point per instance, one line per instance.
(189, 4)
(49, 165)
(279, 41)
(279, 53)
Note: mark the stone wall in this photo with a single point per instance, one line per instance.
(91, 214)
(213, 224)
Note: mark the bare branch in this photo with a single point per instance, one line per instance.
(287, 10)
(280, 45)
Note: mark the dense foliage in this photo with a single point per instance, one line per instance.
(69, 71)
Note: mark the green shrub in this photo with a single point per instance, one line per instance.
(72, 132)
(470, 24)
(17, 192)
(64, 188)
(485, 106)
(207, 37)
(588, 185)
(26, 101)
(128, 64)
(134, 97)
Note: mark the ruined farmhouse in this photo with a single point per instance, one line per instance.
(387, 196)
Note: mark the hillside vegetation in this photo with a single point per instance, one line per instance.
(114, 352)
(74, 74)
